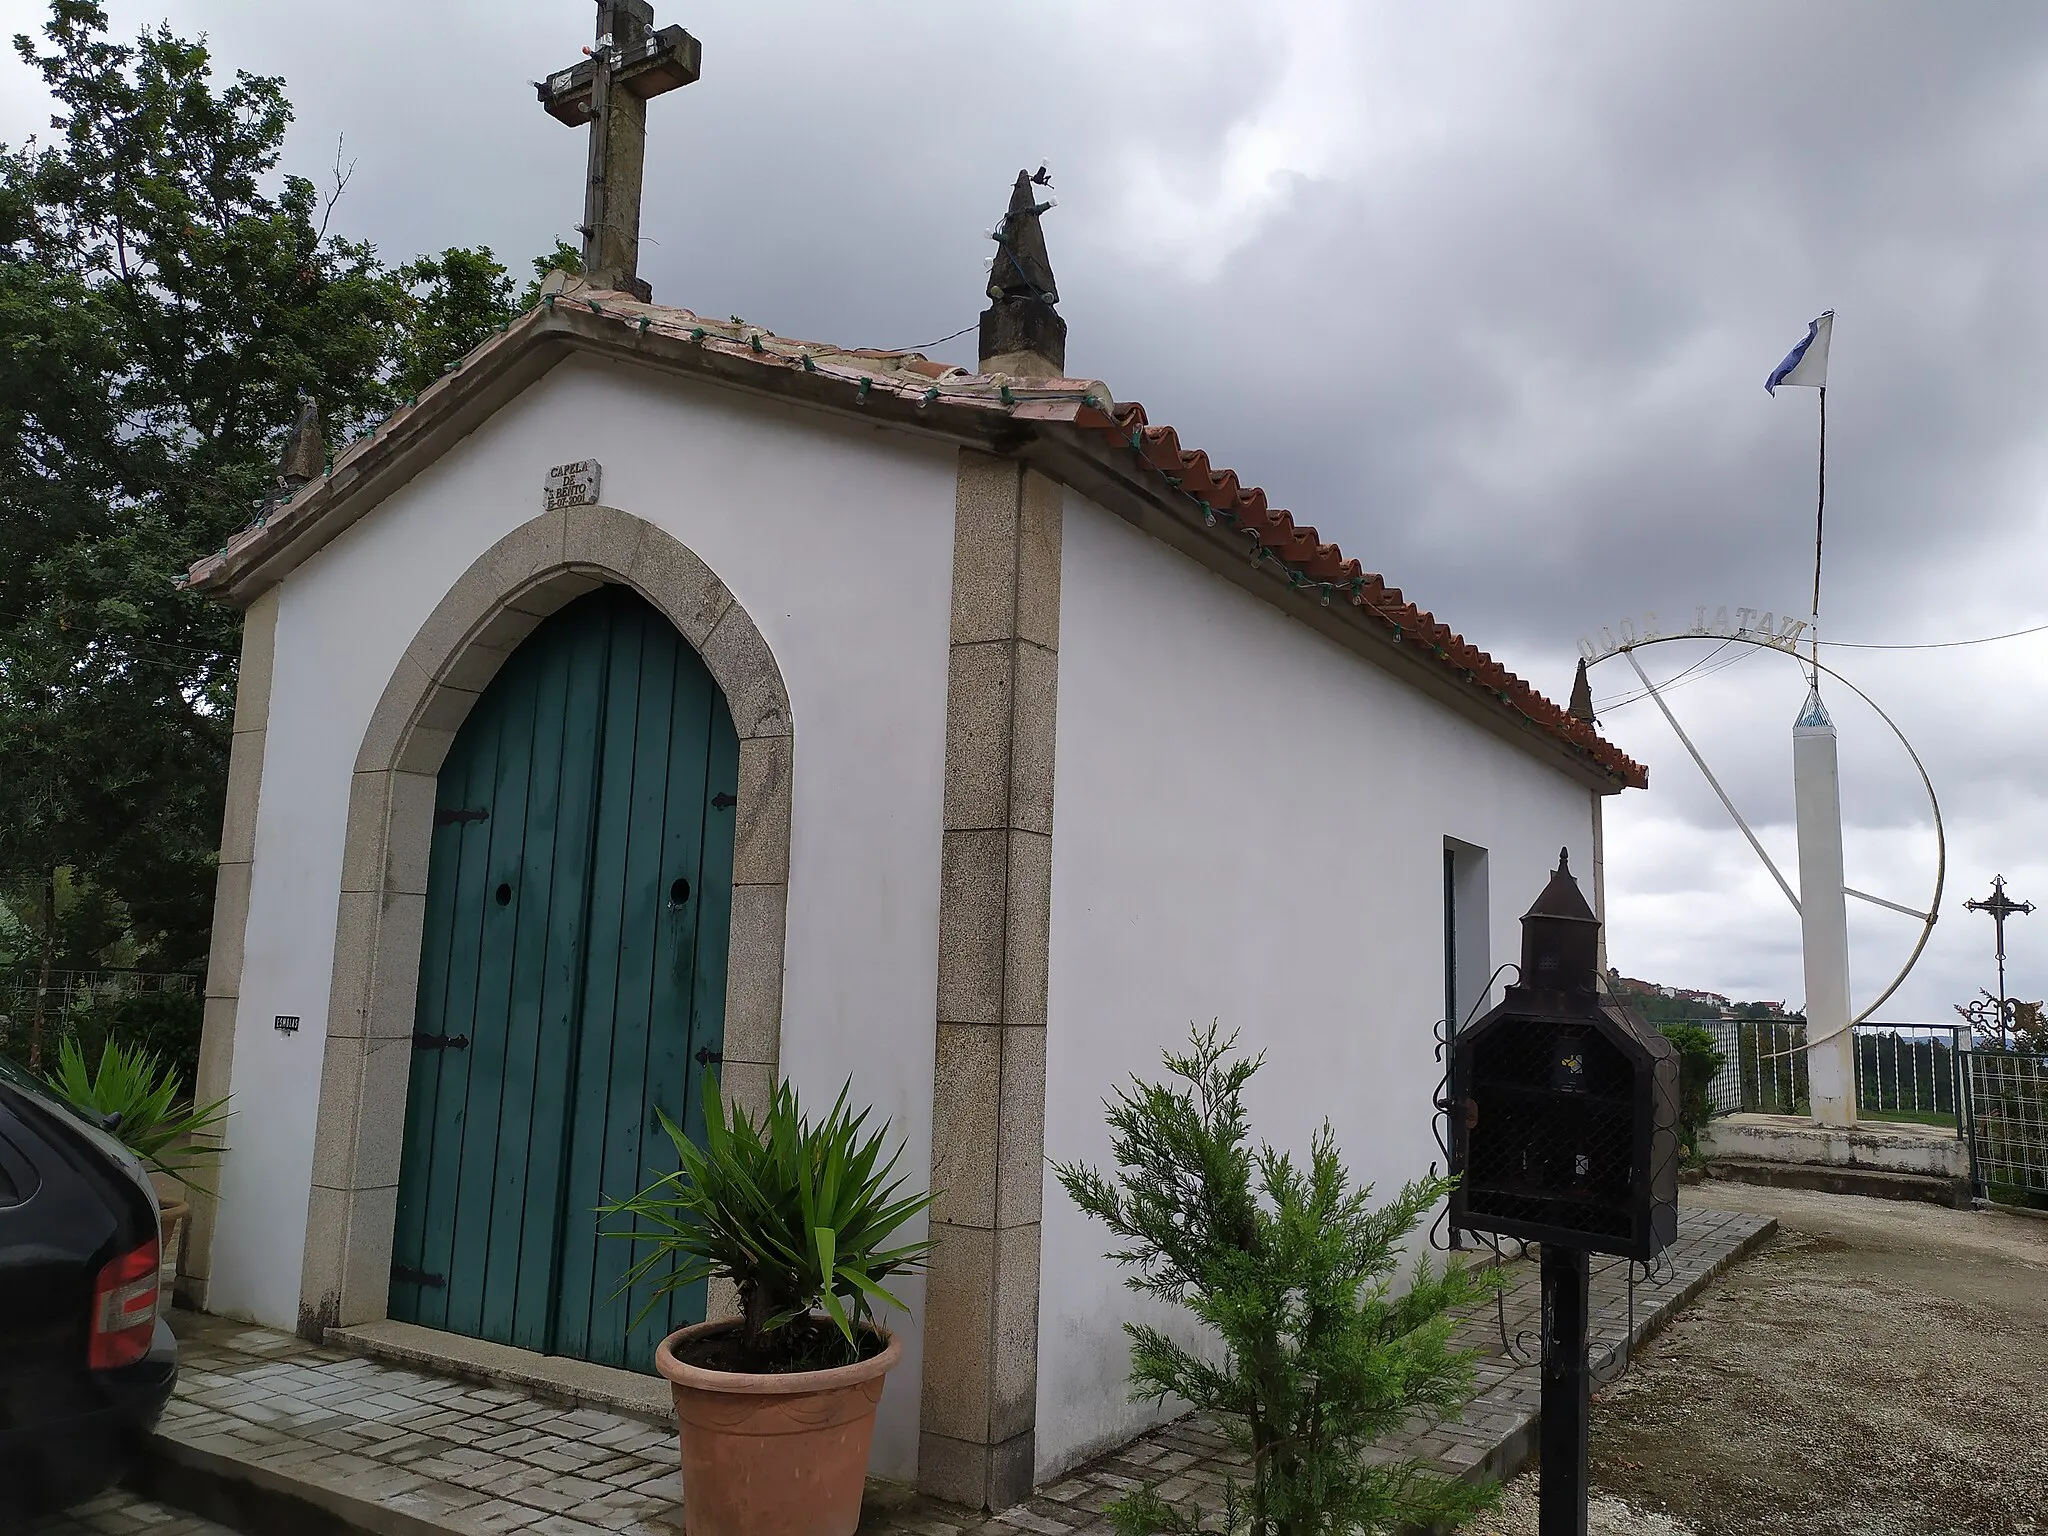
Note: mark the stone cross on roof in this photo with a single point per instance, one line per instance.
(609, 90)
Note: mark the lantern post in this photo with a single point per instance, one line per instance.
(1566, 1135)
(1564, 1432)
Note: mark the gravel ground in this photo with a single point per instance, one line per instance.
(1881, 1369)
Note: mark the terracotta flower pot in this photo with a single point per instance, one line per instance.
(783, 1455)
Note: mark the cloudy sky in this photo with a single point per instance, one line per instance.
(1486, 292)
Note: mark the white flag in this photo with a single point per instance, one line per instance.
(1806, 363)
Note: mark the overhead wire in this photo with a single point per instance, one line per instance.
(1932, 645)
(1692, 674)
(1703, 661)
(1607, 706)
(923, 345)
(1686, 676)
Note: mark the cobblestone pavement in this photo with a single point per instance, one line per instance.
(355, 1436)
(1191, 1458)
(348, 1431)
(120, 1513)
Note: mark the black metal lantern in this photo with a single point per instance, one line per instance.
(1569, 1127)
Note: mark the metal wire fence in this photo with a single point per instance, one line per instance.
(1763, 1066)
(2008, 1094)
(1936, 1075)
(1910, 1072)
(62, 991)
(155, 1008)
(1904, 1072)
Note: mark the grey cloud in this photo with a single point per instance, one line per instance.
(1501, 331)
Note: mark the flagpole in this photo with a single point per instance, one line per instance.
(1820, 512)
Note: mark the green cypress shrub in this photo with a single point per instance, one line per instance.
(1318, 1352)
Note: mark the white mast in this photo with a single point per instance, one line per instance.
(1823, 914)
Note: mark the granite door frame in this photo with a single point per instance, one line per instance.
(503, 597)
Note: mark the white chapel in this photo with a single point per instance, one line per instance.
(658, 695)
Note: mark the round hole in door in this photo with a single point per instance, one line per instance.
(679, 893)
(504, 895)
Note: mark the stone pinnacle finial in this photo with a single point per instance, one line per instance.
(305, 453)
(1022, 270)
(1581, 707)
(1021, 333)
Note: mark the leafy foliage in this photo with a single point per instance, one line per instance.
(135, 1096)
(453, 302)
(795, 1213)
(564, 258)
(2029, 1034)
(1698, 1060)
(82, 930)
(2021, 1026)
(1292, 1270)
(166, 299)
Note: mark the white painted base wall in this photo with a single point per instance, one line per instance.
(1873, 1144)
(1249, 826)
(838, 541)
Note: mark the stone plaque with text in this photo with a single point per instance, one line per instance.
(571, 485)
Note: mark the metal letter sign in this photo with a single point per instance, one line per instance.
(571, 485)
(1747, 624)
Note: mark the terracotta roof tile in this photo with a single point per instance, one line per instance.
(1084, 407)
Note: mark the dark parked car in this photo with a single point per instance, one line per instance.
(86, 1365)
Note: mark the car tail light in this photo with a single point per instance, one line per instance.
(123, 1309)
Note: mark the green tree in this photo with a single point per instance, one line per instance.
(1699, 1061)
(452, 304)
(163, 311)
(1292, 1271)
(564, 257)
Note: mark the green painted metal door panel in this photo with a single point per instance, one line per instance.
(579, 893)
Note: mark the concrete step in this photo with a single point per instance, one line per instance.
(1878, 1183)
(1871, 1143)
(548, 1378)
(242, 1496)
(121, 1511)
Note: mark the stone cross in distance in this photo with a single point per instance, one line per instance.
(608, 91)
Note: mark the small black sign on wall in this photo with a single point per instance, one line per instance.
(286, 1023)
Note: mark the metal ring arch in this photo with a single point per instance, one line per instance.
(1940, 837)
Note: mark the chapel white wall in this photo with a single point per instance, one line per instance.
(837, 539)
(1249, 826)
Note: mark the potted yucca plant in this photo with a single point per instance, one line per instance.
(776, 1408)
(133, 1096)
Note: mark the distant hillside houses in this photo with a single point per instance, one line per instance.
(1662, 1003)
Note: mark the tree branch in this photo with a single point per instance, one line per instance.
(341, 180)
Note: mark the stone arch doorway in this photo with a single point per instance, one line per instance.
(506, 595)
(572, 983)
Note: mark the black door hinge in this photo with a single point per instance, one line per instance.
(724, 801)
(426, 1042)
(450, 818)
(406, 1276)
(706, 1056)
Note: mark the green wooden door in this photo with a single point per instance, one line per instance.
(572, 978)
